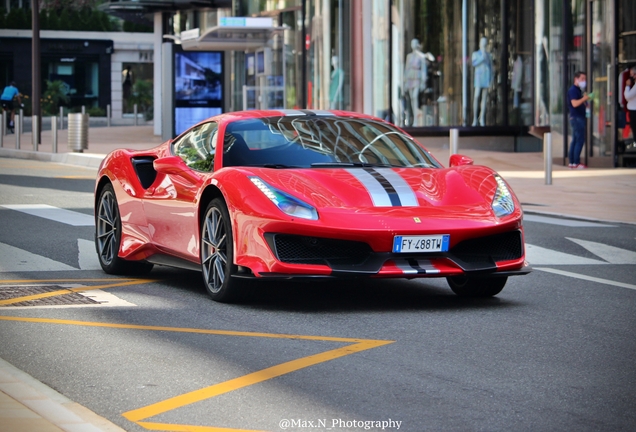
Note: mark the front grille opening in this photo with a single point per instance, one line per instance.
(498, 247)
(294, 249)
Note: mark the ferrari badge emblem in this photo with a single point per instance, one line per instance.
(417, 220)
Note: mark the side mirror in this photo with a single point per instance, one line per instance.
(175, 166)
(170, 165)
(459, 160)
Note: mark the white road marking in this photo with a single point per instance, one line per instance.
(55, 214)
(87, 256)
(536, 255)
(587, 278)
(611, 254)
(103, 299)
(563, 222)
(13, 259)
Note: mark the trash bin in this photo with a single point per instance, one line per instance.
(78, 132)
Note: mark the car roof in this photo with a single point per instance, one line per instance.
(242, 115)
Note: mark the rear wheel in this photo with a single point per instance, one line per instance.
(217, 253)
(108, 237)
(476, 287)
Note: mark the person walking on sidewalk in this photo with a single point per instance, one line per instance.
(6, 100)
(577, 103)
(630, 97)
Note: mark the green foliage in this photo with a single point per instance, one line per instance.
(142, 95)
(53, 97)
(96, 112)
(18, 19)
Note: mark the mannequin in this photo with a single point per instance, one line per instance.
(482, 63)
(415, 73)
(336, 84)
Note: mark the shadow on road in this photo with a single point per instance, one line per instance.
(338, 295)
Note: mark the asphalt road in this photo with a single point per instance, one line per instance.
(554, 351)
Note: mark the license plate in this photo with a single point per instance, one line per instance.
(432, 243)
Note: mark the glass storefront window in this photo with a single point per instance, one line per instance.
(463, 62)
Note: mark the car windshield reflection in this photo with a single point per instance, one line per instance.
(321, 142)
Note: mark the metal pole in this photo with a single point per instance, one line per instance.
(36, 70)
(454, 141)
(3, 127)
(21, 120)
(83, 109)
(61, 118)
(108, 115)
(547, 157)
(135, 111)
(35, 131)
(18, 131)
(54, 133)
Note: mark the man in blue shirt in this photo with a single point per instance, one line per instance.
(6, 99)
(577, 103)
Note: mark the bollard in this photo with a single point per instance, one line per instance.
(35, 129)
(3, 127)
(21, 120)
(61, 118)
(454, 141)
(83, 109)
(547, 157)
(135, 111)
(108, 115)
(18, 132)
(78, 132)
(54, 133)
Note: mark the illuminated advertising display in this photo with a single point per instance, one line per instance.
(198, 86)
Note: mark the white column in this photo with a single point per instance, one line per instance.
(158, 39)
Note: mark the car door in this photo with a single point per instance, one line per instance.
(171, 206)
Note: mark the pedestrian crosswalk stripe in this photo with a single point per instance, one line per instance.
(564, 222)
(537, 255)
(13, 259)
(611, 254)
(68, 217)
(87, 256)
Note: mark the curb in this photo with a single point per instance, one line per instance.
(49, 404)
(89, 160)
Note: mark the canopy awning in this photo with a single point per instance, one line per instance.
(232, 33)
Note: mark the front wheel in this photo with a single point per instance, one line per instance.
(108, 237)
(217, 253)
(476, 287)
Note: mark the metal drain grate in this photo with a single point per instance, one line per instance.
(71, 298)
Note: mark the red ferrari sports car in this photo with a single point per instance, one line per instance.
(298, 193)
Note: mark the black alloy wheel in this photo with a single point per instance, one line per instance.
(217, 253)
(476, 287)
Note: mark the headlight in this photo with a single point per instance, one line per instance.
(502, 202)
(285, 202)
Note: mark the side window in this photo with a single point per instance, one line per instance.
(197, 148)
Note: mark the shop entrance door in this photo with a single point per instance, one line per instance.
(601, 144)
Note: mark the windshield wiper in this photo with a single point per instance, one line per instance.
(351, 164)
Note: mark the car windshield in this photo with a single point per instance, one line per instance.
(320, 142)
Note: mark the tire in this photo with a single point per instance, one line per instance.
(476, 287)
(108, 237)
(217, 253)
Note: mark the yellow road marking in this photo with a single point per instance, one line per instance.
(69, 290)
(189, 428)
(138, 415)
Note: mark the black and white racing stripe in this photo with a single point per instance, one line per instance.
(415, 266)
(385, 187)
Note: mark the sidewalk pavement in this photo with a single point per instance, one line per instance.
(607, 195)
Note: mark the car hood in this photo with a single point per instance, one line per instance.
(445, 192)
